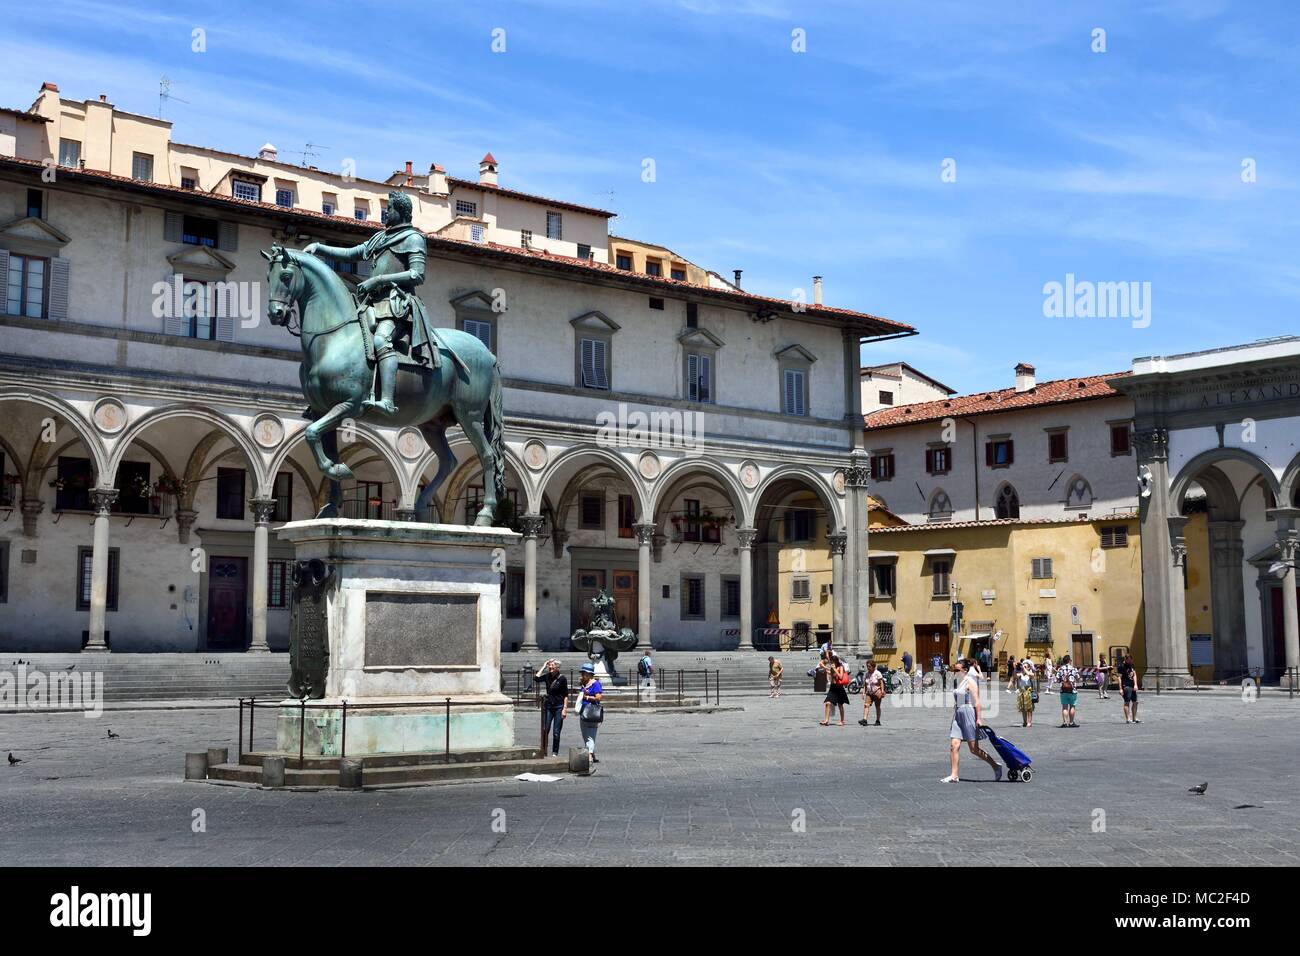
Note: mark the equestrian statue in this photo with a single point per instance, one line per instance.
(373, 356)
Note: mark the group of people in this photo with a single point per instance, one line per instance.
(590, 702)
(1067, 678)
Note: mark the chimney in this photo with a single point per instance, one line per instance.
(410, 179)
(52, 87)
(268, 153)
(487, 171)
(1024, 377)
(736, 273)
(437, 180)
(103, 97)
(817, 290)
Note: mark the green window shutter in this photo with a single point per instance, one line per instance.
(228, 236)
(58, 304)
(173, 227)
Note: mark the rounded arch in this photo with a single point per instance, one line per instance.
(1291, 482)
(364, 431)
(1006, 502)
(513, 464)
(806, 475)
(1078, 492)
(219, 421)
(1187, 475)
(939, 507)
(617, 463)
(99, 458)
(678, 477)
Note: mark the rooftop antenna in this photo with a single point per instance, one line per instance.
(164, 94)
(309, 149)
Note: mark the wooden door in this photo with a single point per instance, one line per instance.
(932, 639)
(1081, 650)
(625, 600)
(227, 603)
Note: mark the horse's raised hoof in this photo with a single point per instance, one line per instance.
(381, 406)
(308, 414)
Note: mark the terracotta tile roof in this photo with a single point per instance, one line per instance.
(1005, 522)
(502, 191)
(875, 324)
(1058, 392)
(25, 114)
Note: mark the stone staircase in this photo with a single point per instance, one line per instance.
(162, 677)
(395, 770)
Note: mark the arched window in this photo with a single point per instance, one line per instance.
(940, 506)
(1078, 493)
(1008, 503)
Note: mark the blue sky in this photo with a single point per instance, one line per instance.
(1122, 166)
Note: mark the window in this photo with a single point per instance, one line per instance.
(477, 232)
(679, 273)
(1078, 493)
(189, 182)
(656, 303)
(692, 591)
(85, 564)
(361, 212)
(230, 493)
(514, 594)
(1114, 536)
(886, 398)
(730, 596)
(200, 231)
(884, 634)
(142, 166)
(654, 267)
(595, 363)
(940, 570)
(882, 467)
(473, 500)
(75, 478)
(28, 285)
(328, 207)
(940, 506)
(465, 207)
(277, 577)
(133, 488)
(692, 520)
(35, 204)
(243, 189)
(1007, 504)
(591, 512)
(284, 197)
(283, 494)
(882, 579)
(584, 251)
(699, 378)
(1119, 440)
(623, 261)
(69, 152)
(197, 311)
(794, 398)
(692, 315)
(554, 225)
(626, 516)
(999, 453)
(4, 572)
(526, 238)
(480, 330)
(799, 524)
(1058, 446)
(1041, 569)
(800, 588)
(1040, 629)
(938, 461)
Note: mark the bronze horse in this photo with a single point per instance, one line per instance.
(337, 377)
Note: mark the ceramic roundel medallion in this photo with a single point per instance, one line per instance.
(649, 465)
(109, 416)
(410, 443)
(749, 475)
(535, 455)
(268, 431)
(837, 481)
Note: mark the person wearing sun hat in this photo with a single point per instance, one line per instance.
(591, 709)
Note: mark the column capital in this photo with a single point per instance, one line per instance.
(856, 474)
(1152, 444)
(101, 500)
(645, 533)
(559, 537)
(30, 508)
(745, 538)
(185, 518)
(532, 526)
(404, 514)
(262, 508)
(838, 540)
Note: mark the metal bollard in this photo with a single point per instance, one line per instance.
(273, 772)
(196, 766)
(350, 772)
(579, 760)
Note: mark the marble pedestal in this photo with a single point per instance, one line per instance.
(412, 618)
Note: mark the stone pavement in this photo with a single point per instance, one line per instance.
(724, 788)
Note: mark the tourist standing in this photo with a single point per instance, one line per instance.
(966, 720)
(1103, 678)
(1049, 672)
(774, 670)
(1128, 689)
(555, 705)
(1068, 676)
(837, 693)
(873, 692)
(936, 665)
(591, 708)
(907, 663)
(1022, 685)
(645, 669)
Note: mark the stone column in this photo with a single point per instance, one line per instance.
(645, 536)
(185, 518)
(263, 509)
(838, 541)
(101, 500)
(30, 508)
(857, 625)
(1288, 545)
(531, 526)
(745, 541)
(1228, 598)
(1163, 552)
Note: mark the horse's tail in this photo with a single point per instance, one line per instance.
(494, 425)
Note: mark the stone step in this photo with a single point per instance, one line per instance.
(388, 776)
(254, 758)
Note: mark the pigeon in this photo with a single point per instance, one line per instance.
(13, 760)
(1200, 788)
(113, 736)
(70, 667)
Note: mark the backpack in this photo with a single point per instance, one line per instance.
(644, 667)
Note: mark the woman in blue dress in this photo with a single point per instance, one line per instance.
(966, 721)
